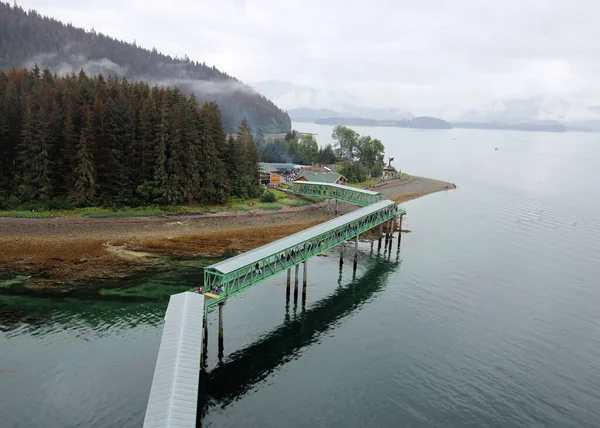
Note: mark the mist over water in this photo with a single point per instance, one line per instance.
(488, 315)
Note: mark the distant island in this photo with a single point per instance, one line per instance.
(426, 122)
(423, 122)
(546, 127)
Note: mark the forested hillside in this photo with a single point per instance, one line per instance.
(27, 38)
(84, 141)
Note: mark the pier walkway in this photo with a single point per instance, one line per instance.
(232, 276)
(182, 353)
(353, 195)
(174, 394)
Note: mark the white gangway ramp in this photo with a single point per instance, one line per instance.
(174, 394)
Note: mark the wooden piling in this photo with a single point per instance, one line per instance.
(204, 356)
(304, 273)
(355, 252)
(221, 305)
(296, 284)
(400, 230)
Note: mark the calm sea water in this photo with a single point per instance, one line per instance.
(489, 316)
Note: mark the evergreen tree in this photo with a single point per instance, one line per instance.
(84, 182)
(5, 145)
(192, 144)
(27, 148)
(215, 183)
(161, 177)
(175, 191)
(236, 165)
(42, 162)
(68, 149)
(251, 168)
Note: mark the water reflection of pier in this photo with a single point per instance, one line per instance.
(248, 366)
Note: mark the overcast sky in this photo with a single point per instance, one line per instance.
(416, 54)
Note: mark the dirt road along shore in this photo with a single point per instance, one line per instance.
(67, 249)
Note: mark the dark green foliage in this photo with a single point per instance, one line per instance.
(275, 151)
(301, 150)
(27, 36)
(84, 141)
(214, 184)
(246, 163)
(326, 155)
(377, 170)
(268, 197)
(84, 175)
(356, 150)
(355, 172)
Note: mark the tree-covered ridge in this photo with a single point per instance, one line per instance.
(83, 141)
(27, 37)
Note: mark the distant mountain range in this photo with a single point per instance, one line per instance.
(532, 114)
(305, 104)
(547, 114)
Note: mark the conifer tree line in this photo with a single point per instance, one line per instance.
(93, 141)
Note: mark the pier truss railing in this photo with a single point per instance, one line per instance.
(232, 276)
(349, 194)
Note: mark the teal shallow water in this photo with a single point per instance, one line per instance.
(487, 317)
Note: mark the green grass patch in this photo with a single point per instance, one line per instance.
(278, 194)
(175, 210)
(29, 214)
(363, 184)
(123, 212)
(241, 207)
(314, 199)
(293, 202)
(236, 204)
(268, 206)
